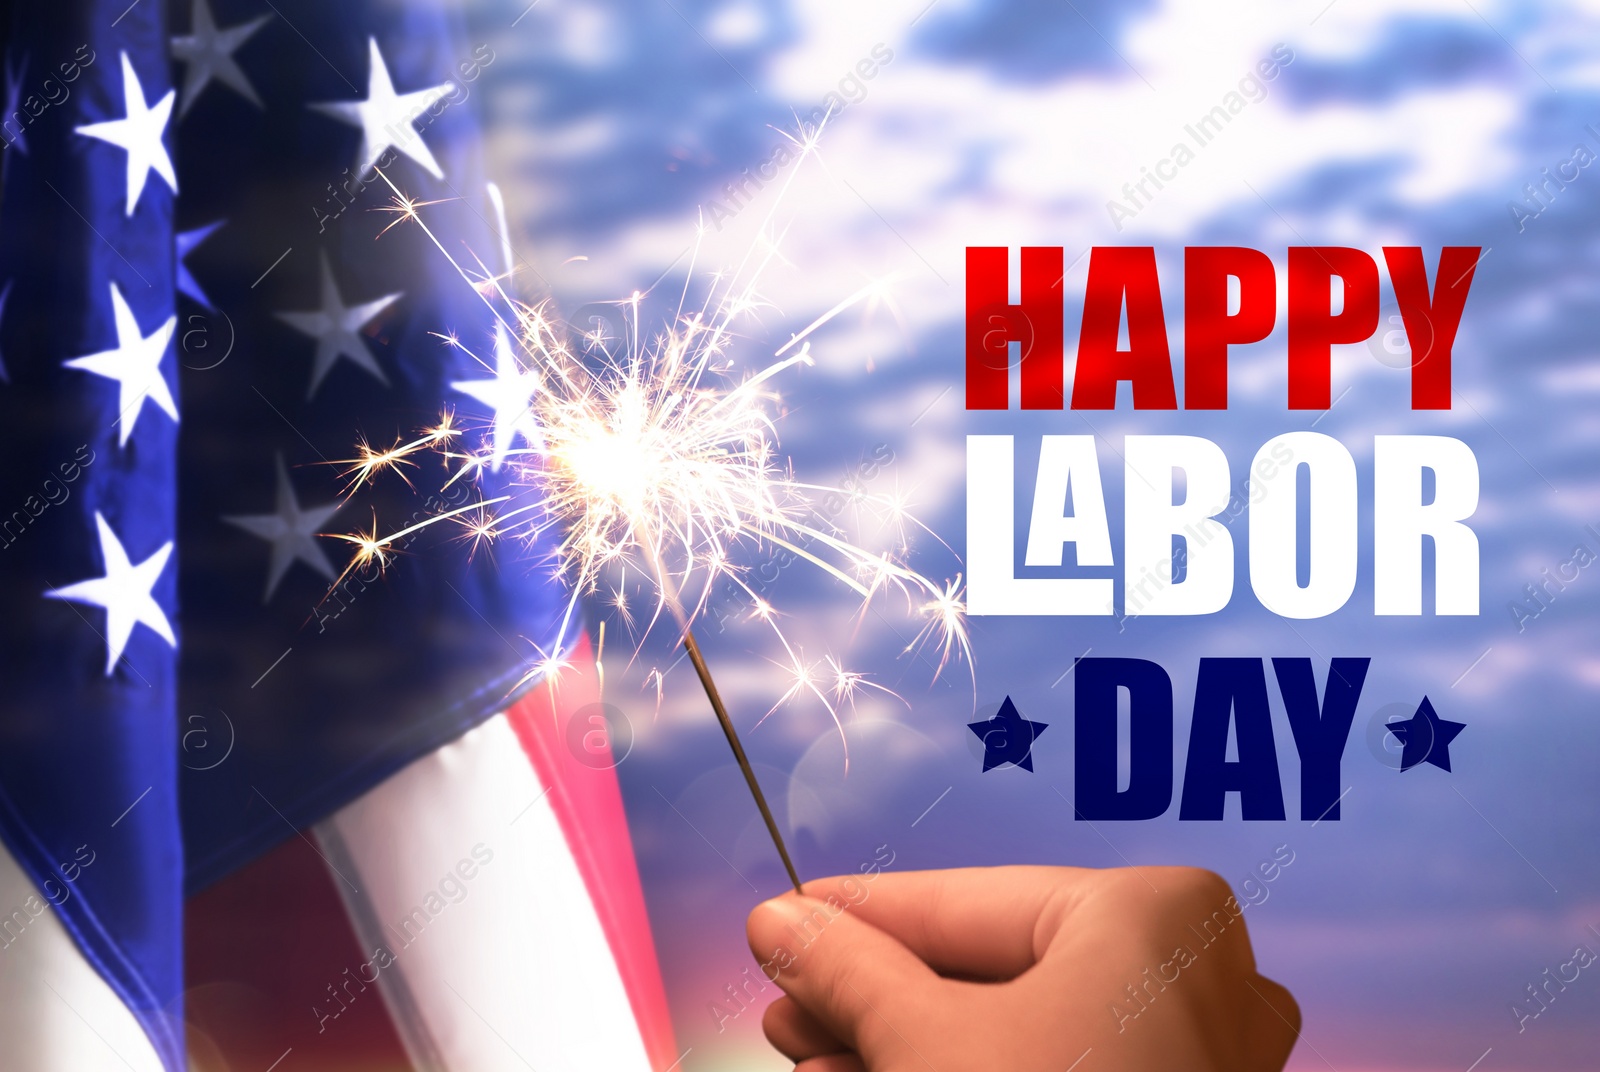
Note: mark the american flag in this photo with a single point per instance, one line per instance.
(251, 815)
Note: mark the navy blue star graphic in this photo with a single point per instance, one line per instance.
(1426, 737)
(1007, 737)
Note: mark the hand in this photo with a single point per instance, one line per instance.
(1027, 969)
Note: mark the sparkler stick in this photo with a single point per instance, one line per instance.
(700, 667)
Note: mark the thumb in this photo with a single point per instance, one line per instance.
(865, 987)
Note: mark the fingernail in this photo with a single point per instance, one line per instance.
(777, 931)
(783, 910)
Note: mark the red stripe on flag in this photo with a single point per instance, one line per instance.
(587, 802)
(273, 966)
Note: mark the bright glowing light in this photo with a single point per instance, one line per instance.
(658, 456)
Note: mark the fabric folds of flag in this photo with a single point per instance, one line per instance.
(92, 869)
(199, 224)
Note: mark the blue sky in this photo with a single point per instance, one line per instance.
(1407, 927)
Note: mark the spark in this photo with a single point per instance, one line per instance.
(848, 683)
(658, 455)
(547, 669)
(945, 624)
(656, 679)
(370, 547)
(479, 531)
(619, 602)
(369, 462)
(404, 209)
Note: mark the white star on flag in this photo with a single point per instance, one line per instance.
(385, 117)
(337, 327)
(292, 531)
(135, 364)
(124, 592)
(187, 242)
(208, 52)
(139, 134)
(508, 395)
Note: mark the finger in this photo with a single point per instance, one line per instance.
(840, 1062)
(854, 979)
(797, 1034)
(978, 922)
(1273, 1031)
(1147, 913)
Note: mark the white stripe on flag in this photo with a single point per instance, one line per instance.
(55, 1010)
(458, 869)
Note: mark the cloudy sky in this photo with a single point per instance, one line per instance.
(1407, 927)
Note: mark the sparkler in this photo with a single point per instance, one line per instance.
(659, 457)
